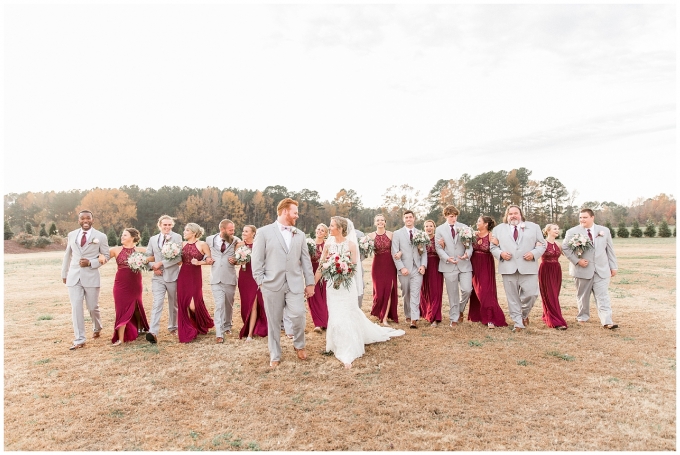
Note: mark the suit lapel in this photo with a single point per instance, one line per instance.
(277, 233)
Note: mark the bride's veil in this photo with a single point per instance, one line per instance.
(358, 276)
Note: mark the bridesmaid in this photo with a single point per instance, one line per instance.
(193, 317)
(252, 304)
(317, 303)
(484, 305)
(550, 280)
(433, 282)
(127, 291)
(383, 274)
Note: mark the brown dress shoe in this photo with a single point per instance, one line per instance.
(301, 353)
(460, 319)
(525, 322)
(96, 334)
(274, 364)
(219, 340)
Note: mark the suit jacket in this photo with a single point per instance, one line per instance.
(601, 259)
(526, 242)
(274, 265)
(170, 268)
(70, 267)
(454, 248)
(221, 271)
(410, 258)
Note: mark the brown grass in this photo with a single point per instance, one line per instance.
(433, 389)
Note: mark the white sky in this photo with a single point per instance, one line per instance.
(325, 97)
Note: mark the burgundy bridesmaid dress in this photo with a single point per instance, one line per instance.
(550, 282)
(484, 305)
(190, 287)
(251, 295)
(384, 276)
(317, 303)
(127, 296)
(433, 287)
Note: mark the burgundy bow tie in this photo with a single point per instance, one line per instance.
(287, 228)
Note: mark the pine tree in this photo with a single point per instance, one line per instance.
(43, 231)
(28, 228)
(53, 229)
(664, 230)
(112, 237)
(8, 231)
(636, 231)
(622, 231)
(608, 225)
(674, 229)
(650, 230)
(145, 237)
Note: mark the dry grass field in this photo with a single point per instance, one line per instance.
(433, 389)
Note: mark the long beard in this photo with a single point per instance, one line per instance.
(228, 238)
(513, 222)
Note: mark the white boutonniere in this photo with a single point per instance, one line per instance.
(522, 226)
(600, 234)
(293, 231)
(95, 241)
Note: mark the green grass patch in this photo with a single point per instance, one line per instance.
(559, 355)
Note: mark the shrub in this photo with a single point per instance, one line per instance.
(622, 231)
(636, 231)
(608, 225)
(112, 237)
(53, 229)
(650, 230)
(28, 228)
(42, 242)
(664, 230)
(26, 240)
(59, 240)
(145, 237)
(43, 231)
(8, 231)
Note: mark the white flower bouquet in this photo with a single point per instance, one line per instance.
(171, 250)
(311, 246)
(338, 268)
(466, 236)
(137, 262)
(242, 256)
(366, 246)
(579, 243)
(420, 240)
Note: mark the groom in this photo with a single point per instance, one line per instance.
(281, 266)
(80, 273)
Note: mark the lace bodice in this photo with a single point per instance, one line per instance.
(122, 258)
(552, 252)
(482, 245)
(431, 249)
(319, 250)
(382, 244)
(189, 252)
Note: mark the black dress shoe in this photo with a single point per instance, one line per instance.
(151, 338)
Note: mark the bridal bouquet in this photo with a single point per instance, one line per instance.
(421, 240)
(366, 246)
(242, 256)
(579, 243)
(339, 269)
(137, 262)
(311, 246)
(466, 236)
(171, 251)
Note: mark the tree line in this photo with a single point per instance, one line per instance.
(542, 201)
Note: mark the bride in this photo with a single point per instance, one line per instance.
(348, 327)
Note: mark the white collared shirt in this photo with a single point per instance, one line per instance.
(287, 235)
(87, 236)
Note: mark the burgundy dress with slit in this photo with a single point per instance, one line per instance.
(127, 297)
(251, 295)
(317, 303)
(190, 287)
(384, 276)
(484, 305)
(550, 282)
(433, 287)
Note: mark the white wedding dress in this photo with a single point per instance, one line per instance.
(348, 327)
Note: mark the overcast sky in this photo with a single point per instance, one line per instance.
(325, 97)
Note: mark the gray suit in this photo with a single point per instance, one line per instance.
(165, 283)
(84, 282)
(520, 277)
(454, 274)
(361, 259)
(411, 260)
(222, 282)
(595, 277)
(281, 274)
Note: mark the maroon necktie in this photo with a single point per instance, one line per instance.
(163, 241)
(84, 239)
(590, 235)
(453, 231)
(515, 234)
(224, 246)
(410, 234)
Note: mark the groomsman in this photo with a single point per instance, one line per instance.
(411, 266)
(164, 279)
(521, 243)
(454, 263)
(80, 273)
(361, 259)
(223, 276)
(593, 270)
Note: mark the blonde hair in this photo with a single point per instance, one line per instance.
(325, 228)
(430, 221)
(196, 229)
(547, 228)
(252, 228)
(165, 217)
(341, 223)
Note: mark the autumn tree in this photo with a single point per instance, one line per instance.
(404, 197)
(110, 207)
(203, 209)
(232, 208)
